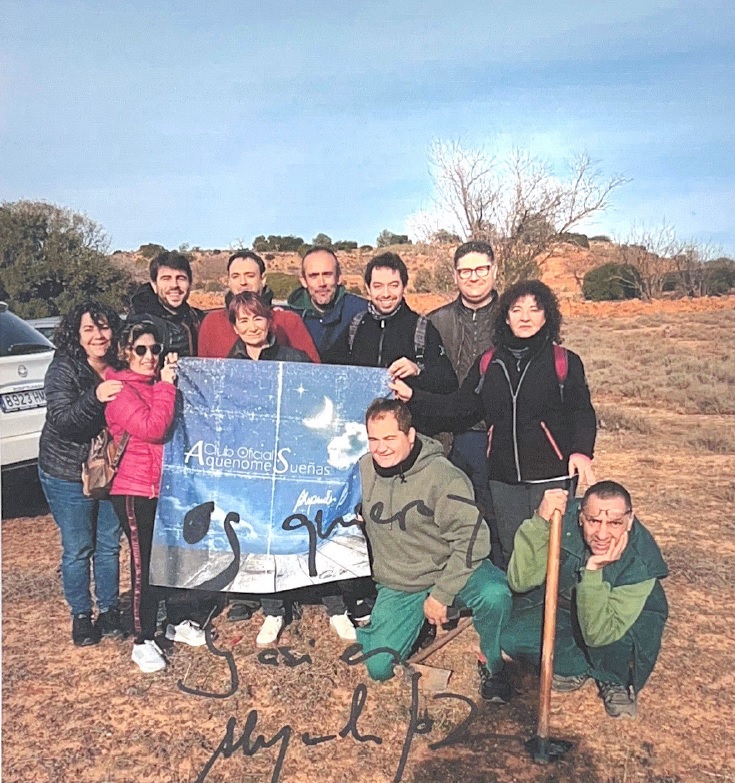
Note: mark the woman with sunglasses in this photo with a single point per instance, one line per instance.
(144, 409)
(76, 393)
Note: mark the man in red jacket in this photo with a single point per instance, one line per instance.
(246, 272)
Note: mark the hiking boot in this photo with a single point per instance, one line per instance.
(187, 632)
(619, 700)
(494, 687)
(108, 623)
(148, 656)
(568, 684)
(343, 627)
(269, 631)
(83, 632)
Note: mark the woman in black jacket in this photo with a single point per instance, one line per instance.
(252, 320)
(534, 398)
(76, 393)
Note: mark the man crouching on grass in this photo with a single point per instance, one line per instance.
(429, 547)
(612, 608)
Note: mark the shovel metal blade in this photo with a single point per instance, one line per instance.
(544, 750)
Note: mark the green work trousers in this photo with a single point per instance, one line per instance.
(397, 618)
(521, 640)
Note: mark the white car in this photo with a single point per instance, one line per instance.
(25, 355)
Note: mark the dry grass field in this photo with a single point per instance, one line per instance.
(663, 385)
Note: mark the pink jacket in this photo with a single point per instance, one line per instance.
(145, 408)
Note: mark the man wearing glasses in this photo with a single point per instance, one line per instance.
(465, 326)
(612, 607)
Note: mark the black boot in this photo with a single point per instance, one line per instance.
(83, 633)
(108, 623)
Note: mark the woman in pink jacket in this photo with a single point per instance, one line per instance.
(144, 408)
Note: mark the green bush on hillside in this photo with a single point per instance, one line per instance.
(575, 239)
(611, 282)
(282, 284)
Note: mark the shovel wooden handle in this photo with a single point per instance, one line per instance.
(441, 640)
(550, 604)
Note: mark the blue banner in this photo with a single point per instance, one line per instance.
(260, 478)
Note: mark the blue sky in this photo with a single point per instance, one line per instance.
(211, 122)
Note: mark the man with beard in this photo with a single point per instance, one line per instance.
(323, 303)
(390, 334)
(246, 272)
(166, 298)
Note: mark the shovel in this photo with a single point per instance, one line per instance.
(434, 679)
(542, 748)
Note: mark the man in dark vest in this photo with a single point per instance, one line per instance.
(465, 326)
(612, 607)
(166, 298)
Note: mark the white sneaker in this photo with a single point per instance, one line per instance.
(343, 627)
(187, 632)
(269, 631)
(148, 656)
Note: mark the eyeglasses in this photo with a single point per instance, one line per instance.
(481, 271)
(142, 350)
(613, 521)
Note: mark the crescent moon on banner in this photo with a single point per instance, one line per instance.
(323, 419)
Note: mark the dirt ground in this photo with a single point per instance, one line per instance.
(89, 716)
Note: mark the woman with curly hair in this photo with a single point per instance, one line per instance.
(534, 398)
(76, 394)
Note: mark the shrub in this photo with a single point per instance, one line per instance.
(575, 239)
(322, 239)
(366, 248)
(444, 237)
(282, 284)
(719, 277)
(345, 244)
(614, 419)
(600, 238)
(423, 281)
(151, 249)
(611, 282)
(387, 238)
(304, 249)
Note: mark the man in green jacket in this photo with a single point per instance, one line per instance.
(612, 608)
(429, 546)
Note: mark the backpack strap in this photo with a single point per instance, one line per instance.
(485, 360)
(354, 326)
(419, 339)
(561, 365)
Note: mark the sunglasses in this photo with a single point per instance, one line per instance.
(142, 350)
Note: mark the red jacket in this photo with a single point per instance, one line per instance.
(217, 337)
(145, 408)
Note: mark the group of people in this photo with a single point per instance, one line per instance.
(487, 368)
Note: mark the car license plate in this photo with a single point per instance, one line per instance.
(22, 400)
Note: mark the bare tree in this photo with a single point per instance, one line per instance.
(652, 251)
(517, 203)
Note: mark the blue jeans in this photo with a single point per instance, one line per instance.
(90, 530)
